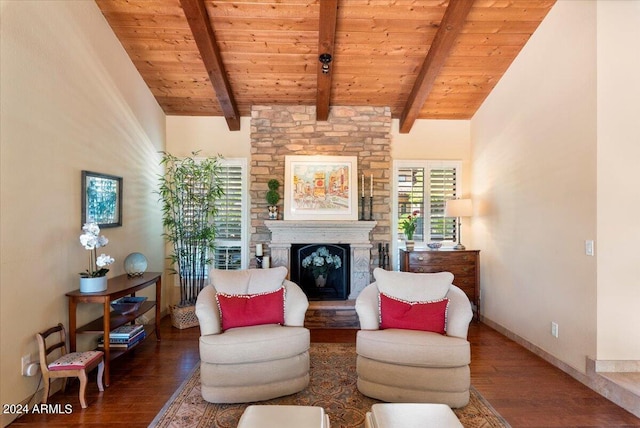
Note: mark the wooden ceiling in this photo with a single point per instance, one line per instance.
(429, 59)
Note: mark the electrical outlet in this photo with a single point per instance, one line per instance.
(26, 359)
(554, 329)
(30, 366)
(588, 248)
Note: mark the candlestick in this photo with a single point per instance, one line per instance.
(386, 256)
(258, 249)
(371, 208)
(363, 185)
(362, 207)
(371, 194)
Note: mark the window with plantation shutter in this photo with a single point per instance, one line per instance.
(442, 186)
(424, 186)
(231, 217)
(411, 197)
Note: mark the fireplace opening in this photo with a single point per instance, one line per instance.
(321, 270)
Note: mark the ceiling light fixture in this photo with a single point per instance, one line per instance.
(325, 59)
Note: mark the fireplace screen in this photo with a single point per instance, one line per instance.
(321, 270)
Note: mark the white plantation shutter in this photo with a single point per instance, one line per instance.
(228, 258)
(442, 187)
(427, 195)
(230, 220)
(411, 197)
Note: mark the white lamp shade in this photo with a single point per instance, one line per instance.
(458, 208)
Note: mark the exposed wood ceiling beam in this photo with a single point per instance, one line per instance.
(452, 22)
(200, 24)
(326, 39)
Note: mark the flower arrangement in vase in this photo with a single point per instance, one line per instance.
(320, 262)
(94, 279)
(408, 226)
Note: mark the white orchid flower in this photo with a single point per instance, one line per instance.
(88, 241)
(102, 241)
(104, 260)
(91, 228)
(91, 240)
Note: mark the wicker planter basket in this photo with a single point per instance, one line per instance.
(183, 317)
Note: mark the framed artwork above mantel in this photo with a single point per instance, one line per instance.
(101, 199)
(321, 188)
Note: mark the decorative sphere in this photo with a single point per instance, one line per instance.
(135, 264)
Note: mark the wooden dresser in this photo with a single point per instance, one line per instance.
(463, 264)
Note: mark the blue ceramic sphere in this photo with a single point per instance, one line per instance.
(135, 264)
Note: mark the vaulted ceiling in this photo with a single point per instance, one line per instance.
(428, 59)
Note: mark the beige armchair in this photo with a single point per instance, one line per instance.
(256, 362)
(402, 365)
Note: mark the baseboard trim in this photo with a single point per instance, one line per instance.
(617, 366)
(571, 371)
(592, 379)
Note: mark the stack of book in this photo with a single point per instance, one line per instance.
(124, 337)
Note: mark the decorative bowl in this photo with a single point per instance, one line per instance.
(434, 245)
(126, 305)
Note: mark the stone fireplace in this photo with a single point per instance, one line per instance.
(355, 235)
(278, 131)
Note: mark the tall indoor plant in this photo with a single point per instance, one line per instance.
(189, 190)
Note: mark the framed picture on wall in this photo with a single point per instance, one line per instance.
(101, 199)
(321, 188)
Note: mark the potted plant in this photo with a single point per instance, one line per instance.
(272, 198)
(189, 190)
(408, 226)
(95, 278)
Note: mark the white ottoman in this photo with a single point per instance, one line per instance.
(411, 415)
(265, 416)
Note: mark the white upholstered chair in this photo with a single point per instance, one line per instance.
(406, 365)
(255, 362)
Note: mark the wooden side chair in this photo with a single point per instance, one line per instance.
(74, 364)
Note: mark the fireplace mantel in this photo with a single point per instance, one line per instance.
(352, 232)
(307, 231)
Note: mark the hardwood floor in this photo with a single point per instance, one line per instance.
(523, 388)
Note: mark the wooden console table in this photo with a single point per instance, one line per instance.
(463, 264)
(117, 287)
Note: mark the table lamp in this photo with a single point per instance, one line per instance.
(458, 208)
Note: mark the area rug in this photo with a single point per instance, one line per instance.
(332, 386)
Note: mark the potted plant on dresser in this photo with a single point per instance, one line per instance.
(408, 226)
(189, 190)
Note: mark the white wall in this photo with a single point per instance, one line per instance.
(71, 101)
(437, 140)
(209, 135)
(534, 175)
(618, 178)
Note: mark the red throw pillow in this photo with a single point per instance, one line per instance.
(241, 310)
(424, 316)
